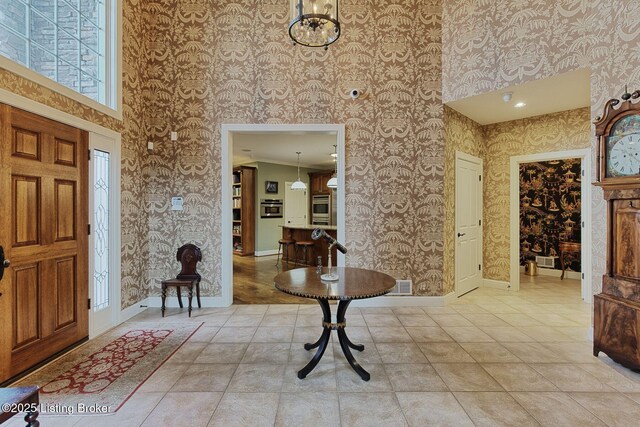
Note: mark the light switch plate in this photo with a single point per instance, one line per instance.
(174, 136)
(150, 145)
(177, 204)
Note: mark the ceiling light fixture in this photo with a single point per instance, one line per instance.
(520, 104)
(314, 23)
(333, 181)
(298, 184)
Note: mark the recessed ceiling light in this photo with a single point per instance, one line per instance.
(520, 104)
(506, 97)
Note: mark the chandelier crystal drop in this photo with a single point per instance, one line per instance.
(314, 23)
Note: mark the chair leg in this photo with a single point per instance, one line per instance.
(198, 293)
(179, 296)
(164, 297)
(190, 297)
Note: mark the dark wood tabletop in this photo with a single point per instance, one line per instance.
(353, 283)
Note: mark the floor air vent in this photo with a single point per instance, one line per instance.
(546, 261)
(402, 287)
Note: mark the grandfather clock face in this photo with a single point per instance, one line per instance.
(623, 148)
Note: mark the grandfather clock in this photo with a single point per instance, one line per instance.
(617, 308)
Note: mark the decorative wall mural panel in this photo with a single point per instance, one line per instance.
(550, 209)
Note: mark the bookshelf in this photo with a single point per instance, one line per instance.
(243, 205)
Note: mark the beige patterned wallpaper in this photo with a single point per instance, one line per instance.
(488, 45)
(134, 217)
(566, 130)
(465, 135)
(214, 62)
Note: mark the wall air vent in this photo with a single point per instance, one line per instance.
(546, 261)
(402, 287)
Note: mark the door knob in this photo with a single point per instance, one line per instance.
(462, 234)
(4, 263)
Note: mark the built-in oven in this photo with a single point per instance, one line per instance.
(321, 210)
(271, 208)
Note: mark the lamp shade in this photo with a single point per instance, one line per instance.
(298, 185)
(333, 182)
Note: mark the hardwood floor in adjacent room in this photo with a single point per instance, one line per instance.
(253, 281)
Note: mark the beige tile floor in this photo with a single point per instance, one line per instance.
(491, 358)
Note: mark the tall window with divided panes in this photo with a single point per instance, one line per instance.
(64, 40)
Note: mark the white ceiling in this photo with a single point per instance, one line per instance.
(281, 147)
(558, 93)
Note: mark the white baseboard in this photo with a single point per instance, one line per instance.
(172, 301)
(496, 284)
(133, 310)
(403, 301)
(450, 297)
(266, 253)
(590, 334)
(552, 272)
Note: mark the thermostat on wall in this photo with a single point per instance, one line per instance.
(176, 203)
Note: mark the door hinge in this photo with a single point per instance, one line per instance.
(582, 224)
(479, 222)
(89, 154)
(89, 304)
(582, 275)
(479, 267)
(89, 229)
(582, 172)
(479, 177)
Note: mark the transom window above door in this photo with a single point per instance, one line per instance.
(69, 41)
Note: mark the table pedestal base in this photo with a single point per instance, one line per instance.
(323, 341)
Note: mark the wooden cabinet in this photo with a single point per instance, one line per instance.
(319, 182)
(244, 210)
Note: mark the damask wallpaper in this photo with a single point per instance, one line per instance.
(214, 62)
(465, 135)
(567, 130)
(550, 209)
(488, 45)
(132, 128)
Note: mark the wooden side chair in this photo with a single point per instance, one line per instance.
(188, 255)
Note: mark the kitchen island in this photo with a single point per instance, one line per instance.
(303, 232)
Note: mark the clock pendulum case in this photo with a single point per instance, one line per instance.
(617, 308)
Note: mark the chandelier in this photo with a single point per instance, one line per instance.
(315, 22)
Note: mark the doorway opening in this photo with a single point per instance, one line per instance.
(259, 208)
(550, 220)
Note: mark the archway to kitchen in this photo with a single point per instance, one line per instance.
(262, 160)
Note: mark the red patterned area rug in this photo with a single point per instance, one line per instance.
(99, 376)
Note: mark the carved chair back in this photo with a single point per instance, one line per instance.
(189, 255)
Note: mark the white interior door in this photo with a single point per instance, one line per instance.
(295, 206)
(103, 275)
(468, 229)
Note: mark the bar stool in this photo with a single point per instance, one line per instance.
(303, 245)
(284, 244)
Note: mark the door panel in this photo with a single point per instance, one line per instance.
(43, 230)
(65, 290)
(26, 144)
(26, 284)
(26, 212)
(65, 209)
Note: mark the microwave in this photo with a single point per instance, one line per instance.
(271, 208)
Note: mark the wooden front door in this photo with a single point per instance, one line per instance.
(43, 231)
